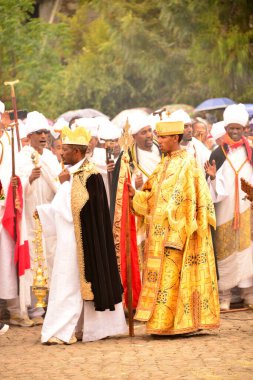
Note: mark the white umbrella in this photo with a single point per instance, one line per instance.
(86, 112)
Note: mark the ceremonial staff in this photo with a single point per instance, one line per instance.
(7, 123)
(128, 243)
(14, 106)
(109, 144)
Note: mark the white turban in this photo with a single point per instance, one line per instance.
(21, 129)
(218, 130)
(89, 123)
(138, 122)
(57, 127)
(180, 115)
(107, 130)
(2, 107)
(236, 114)
(36, 121)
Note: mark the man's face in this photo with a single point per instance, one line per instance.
(57, 149)
(200, 131)
(91, 146)
(67, 155)
(144, 138)
(247, 131)
(235, 131)
(166, 143)
(187, 132)
(38, 140)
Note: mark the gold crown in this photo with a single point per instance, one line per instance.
(168, 128)
(79, 136)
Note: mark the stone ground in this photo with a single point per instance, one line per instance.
(216, 355)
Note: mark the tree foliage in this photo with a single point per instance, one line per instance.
(123, 54)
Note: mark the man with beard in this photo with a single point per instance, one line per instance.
(38, 169)
(193, 146)
(179, 291)
(86, 293)
(144, 152)
(232, 237)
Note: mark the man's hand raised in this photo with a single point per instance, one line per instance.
(210, 169)
(64, 176)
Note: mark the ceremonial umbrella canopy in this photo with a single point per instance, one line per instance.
(213, 104)
(130, 114)
(86, 112)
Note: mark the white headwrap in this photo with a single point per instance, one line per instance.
(2, 107)
(180, 115)
(36, 121)
(57, 127)
(139, 122)
(218, 130)
(107, 130)
(22, 129)
(91, 124)
(236, 114)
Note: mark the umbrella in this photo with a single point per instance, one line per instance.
(86, 112)
(249, 108)
(214, 104)
(121, 118)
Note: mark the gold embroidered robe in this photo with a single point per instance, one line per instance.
(179, 292)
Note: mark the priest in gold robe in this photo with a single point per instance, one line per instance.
(179, 291)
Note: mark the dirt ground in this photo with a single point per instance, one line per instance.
(226, 353)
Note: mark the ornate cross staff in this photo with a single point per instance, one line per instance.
(14, 106)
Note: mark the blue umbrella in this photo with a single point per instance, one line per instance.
(249, 108)
(213, 104)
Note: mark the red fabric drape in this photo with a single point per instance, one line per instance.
(136, 279)
(13, 225)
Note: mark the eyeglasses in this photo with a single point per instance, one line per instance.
(40, 131)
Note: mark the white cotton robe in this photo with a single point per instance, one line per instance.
(41, 191)
(236, 269)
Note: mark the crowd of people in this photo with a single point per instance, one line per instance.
(193, 222)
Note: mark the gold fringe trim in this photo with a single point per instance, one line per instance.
(79, 197)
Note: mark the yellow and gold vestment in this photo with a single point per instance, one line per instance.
(179, 291)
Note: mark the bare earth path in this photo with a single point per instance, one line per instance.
(223, 354)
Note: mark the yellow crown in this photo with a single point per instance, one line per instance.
(168, 128)
(79, 136)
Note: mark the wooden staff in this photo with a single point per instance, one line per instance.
(159, 112)
(14, 106)
(129, 273)
(109, 149)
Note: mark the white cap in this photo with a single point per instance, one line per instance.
(236, 114)
(218, 130)
(2, 107)
(138, 122)
(107, 130)
(89, 123)
(180, 115)
(36, 121)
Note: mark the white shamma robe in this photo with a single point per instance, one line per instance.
(233, 246)
(41, 191)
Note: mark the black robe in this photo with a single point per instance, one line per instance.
(98, 245)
